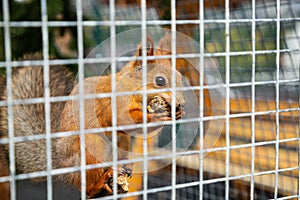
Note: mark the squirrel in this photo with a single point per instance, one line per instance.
(28, 119)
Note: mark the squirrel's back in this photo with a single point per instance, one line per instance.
(29, 119)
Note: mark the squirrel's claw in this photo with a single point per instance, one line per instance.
(179, 112)
(105, 185)
(123, 173)
(126, 171)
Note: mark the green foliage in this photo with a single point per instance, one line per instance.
(29, 39)
(241, 40)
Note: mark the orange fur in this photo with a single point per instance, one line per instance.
(98, 113)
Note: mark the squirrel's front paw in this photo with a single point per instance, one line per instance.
(105, 185)
(124, 173)
(157, 117)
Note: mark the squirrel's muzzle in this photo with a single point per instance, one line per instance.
(160, 104)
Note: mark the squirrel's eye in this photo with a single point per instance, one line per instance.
(160, 81)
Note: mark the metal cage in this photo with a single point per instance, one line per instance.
(246, 144)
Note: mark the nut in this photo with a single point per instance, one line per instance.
(122, 183)
(158, 105)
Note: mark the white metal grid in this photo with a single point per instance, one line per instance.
(8, 64)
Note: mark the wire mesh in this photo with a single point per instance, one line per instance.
(247, 137)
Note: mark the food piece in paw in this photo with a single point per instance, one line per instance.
(158, 105)
(122, 183)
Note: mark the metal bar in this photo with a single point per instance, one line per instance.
(288, 197)
(47, 96)
(257, 144)
(124, 58)
(277, 97)
(158, 157)
(128, 127)
(81, 97)
(195, 183)
(173, 103)
(201, 97)
(227, 102)
(253, 32)
(67, 98)
(7, 44)
(112, 14)
(144, 81)
(92, 23)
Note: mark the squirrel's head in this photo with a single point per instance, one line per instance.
(159, 76)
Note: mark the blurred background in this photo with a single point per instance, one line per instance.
(27, 38)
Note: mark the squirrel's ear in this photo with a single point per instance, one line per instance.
(149, 51)
(164, 46)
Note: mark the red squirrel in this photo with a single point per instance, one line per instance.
(28, 119)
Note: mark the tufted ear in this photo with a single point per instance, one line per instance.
(137, 63)
(149, 51)
(164, 46)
